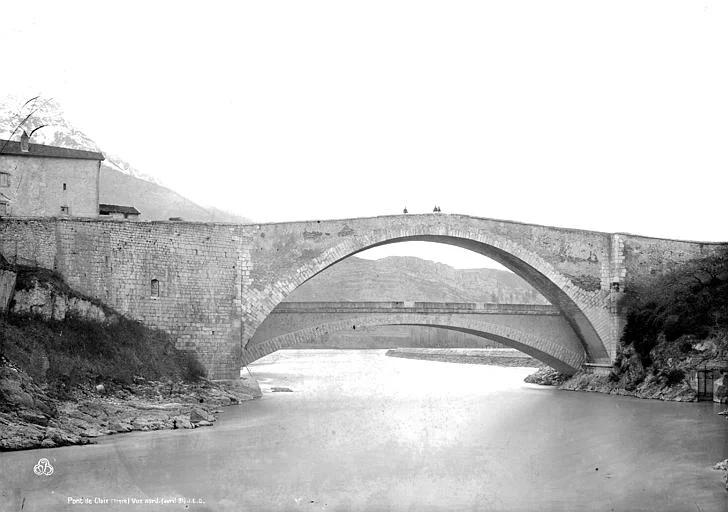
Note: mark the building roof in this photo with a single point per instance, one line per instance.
(115, 208)
(11, 147)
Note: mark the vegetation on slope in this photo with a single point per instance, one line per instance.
(78, 352)
(688, 302)
(676, 322)
(72, 369)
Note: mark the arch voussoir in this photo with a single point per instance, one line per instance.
(585, 310)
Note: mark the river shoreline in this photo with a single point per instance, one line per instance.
(652, 388)
(36, 420)
(504, 357)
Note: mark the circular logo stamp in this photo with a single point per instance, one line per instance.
(43, 468)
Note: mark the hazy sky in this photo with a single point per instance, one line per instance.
(607, 115)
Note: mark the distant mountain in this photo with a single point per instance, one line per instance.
(120, 182)
(155, 202)
(399, 278)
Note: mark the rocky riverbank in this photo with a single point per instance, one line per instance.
(488, 356)
(546, 376)
(667, 377)
(72, 369)
(29, 418)
(653, 386)
(723, 466)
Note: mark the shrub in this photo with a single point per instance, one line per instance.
(192, 369)
(686, 346)
(674, 376)
(689, 300)
(77, 352)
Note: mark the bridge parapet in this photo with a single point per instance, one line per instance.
(480, 308)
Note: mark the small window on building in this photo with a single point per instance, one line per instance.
(64, 186)
(64, 210)
(4, 179)
(155, 288)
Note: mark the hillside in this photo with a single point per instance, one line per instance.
(408, 278)
(399, 278)
(155, 202)
(120, 182)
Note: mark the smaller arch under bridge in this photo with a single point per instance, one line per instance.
(539, 331)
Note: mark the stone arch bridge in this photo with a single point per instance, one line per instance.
(217, 283)
(540, 331)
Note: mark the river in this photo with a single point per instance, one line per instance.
(362, 431)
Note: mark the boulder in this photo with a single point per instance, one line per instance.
(33, 417)
(17, 390)
(546, 376)
(93, 409)
(723, 466)
(181, 422)
(120, 426)
(20, 437)
(50, 302)
(198, 414)
(11, 388)
(720, 389)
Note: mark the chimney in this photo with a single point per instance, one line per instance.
(24, 142)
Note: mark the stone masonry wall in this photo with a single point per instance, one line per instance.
(198, 268)
(645, 256)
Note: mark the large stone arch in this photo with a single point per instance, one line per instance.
(549, 351)
(588, 311)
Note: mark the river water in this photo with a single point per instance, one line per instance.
(362, 431)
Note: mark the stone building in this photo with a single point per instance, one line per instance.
(48, 181)
(115, 211)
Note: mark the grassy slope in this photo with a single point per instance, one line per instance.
(72, 352)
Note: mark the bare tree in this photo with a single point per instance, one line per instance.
(32, 104)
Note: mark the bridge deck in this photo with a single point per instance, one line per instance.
(480, 308)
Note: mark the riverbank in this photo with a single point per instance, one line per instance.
(546, 376)
(489, 356)
(30, 418)
(72, 369)
(668, 373)
(653, 387)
